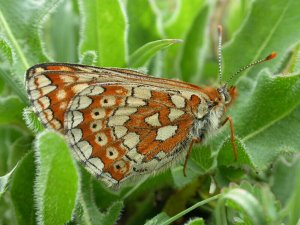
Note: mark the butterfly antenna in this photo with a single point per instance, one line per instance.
(220, 34)
(269, 57)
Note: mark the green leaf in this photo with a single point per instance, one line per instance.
(90, 212)
(143, 22)
(9, 135)
(158, 219)
(266, 112)
(22, 191)
(19, 148)
(197, 221)
(237, 11)
(262, 34)
(243, 200)
(4, 181)
(178, 27)
(57, 180)
(6, 50)
(192, 57)
(226, 156)
(294, 208)
(61, 35)
(184, 212)
(103, 196)
(11, 110)
(202, 157)
(104, 31)
(284, 177)
(266, 198)
(88, 58)
(112, 214)
(20, 23)
(32, 121)
(7, 58)
(141, 56)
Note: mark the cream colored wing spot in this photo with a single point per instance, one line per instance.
(63, 105)
(74, 118)
(101, 139)
(202, 109)
(178, 101)
(166, 132)
(125, 111)
(42, 81)
(61, 94)
(98, 113)
(97, 163)
(120, 166)
(74, 135)
(134, 155)
(107, 179)
(175, 114)
(85, 148)
(112, 153)
(186, 94)
(108, 101)
(119, 131)
(96, 125)
(55, 124)
(161, 155)
(30, 84)
(47, 89)
(37, 93)
(36, 82)
(143, 93)
(79, 87)
(48, 114)
(81, 102)
(131, 140)
(153, 120)
(135, 102)
(42, 103)
(117, 120)
(92, 90)
(67, 79)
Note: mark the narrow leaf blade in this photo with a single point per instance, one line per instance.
(141, 56)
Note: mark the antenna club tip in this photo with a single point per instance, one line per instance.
(271, 56)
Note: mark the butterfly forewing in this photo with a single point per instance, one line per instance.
(119, 123)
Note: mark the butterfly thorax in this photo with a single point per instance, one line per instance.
(215, 108)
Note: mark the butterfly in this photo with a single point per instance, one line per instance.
(121, 123)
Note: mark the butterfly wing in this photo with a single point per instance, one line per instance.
(122, 130)
(119, 123)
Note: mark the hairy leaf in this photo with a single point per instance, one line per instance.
(57, 181)
(104, 31)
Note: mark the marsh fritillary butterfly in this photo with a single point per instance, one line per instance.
(121, 123)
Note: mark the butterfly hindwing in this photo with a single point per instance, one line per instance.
(128, 128)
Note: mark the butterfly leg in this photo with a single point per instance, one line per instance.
(229, 119)
(194, 140)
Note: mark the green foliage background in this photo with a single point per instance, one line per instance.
(40, 182)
